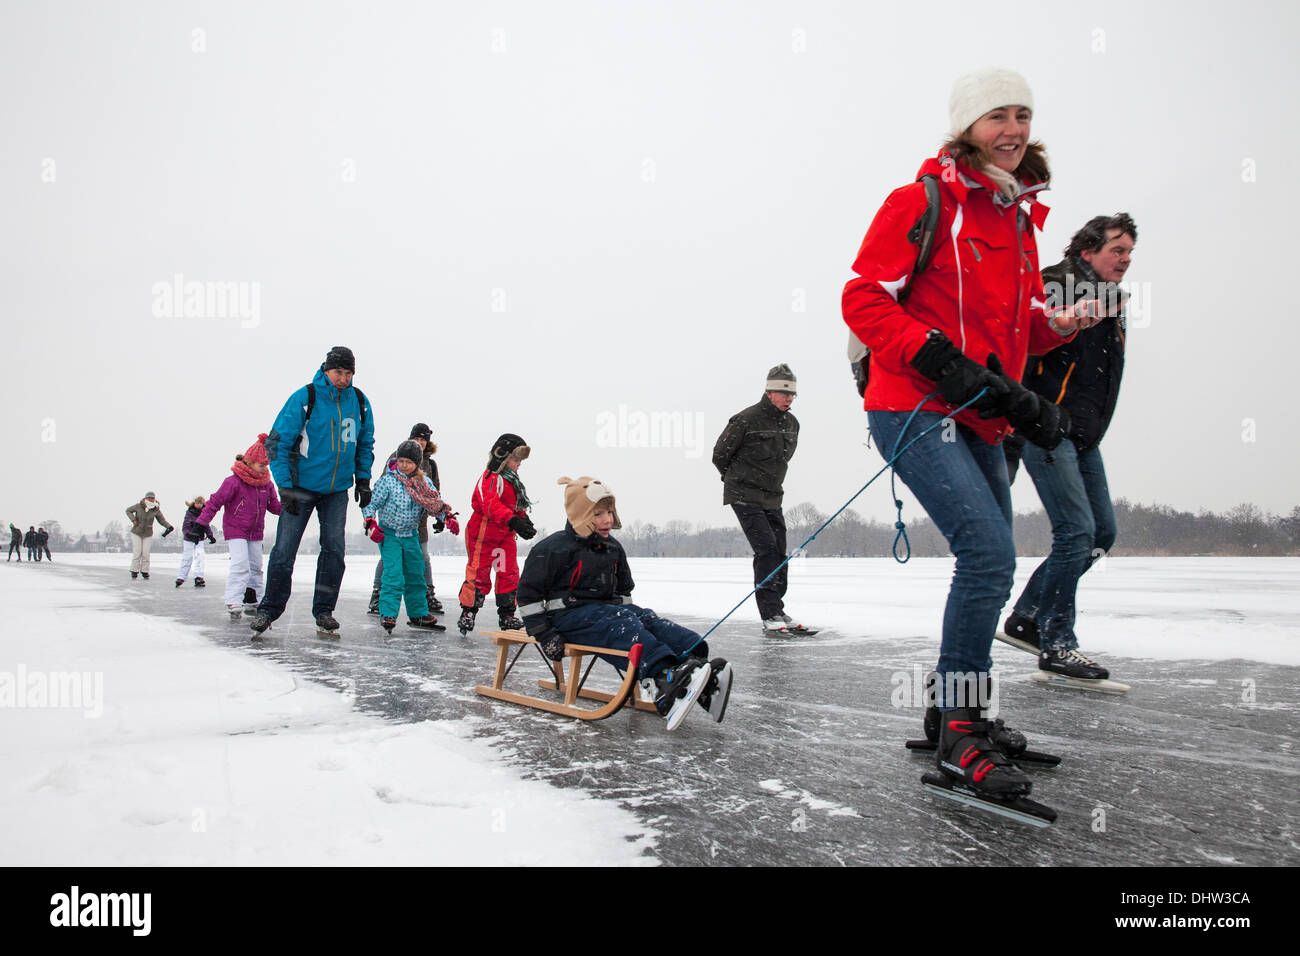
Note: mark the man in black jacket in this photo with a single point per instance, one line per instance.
(1082, 376)
(15, 542)
(752, 455)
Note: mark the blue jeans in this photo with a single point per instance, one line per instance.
(1072, 486)
(620, 626)
(962, 484)
(331, 511)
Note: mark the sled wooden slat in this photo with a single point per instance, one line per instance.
(511, 642)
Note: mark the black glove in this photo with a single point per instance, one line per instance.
(1048, 429)
(439, 525)
(168, 531)
(289, 501)
(208, 531)
(522, 526)
(861, 374)
(959, 378)
(1032, 416)
(362, 494)
(551, 644)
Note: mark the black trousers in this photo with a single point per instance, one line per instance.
(765, 530)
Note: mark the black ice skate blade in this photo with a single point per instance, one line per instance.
(1017, 643)
(326, 632)
(1029, 758)
(432, 627)
(1104, 686)
(718, 702)
(1021, 809)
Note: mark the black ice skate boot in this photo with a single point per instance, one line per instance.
(467, 614)
(134, 574)
(180, 581)
(259, 624)
(388, 623)
(327, 626)
(426, 623)
(250, 599)
(200, 583)
(374, 602)
(1020, 631)
(1070, 663)
(506, 613)
(435, 606)
(145, 575)
(674, 689)
(967, 755)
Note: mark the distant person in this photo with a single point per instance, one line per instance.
(43, 544)
(322, 442)
(143, 514)
(422, 435)
(501, 506)
(15, 543)
(29, 542)
(1082, 376)
(247, 496)
(752, 455)
(192, 553)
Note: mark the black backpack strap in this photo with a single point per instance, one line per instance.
(361, 403)
(922, 236)
(297, 439)
(923, 232)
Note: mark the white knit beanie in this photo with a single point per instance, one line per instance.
(979, 91)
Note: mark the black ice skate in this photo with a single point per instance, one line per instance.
(506, 619)
(250, 599)
(718, 690)
(134, 574)
(388, 623)
(180, 581)
(435, 606)
(972, 770)
(144, 574)
(466, 622)
(426, 623)
(675, 689)
(327, 626)
(1072, 669)
(374, 602)
(1020, 632)
(259, 624)
(1011, 742)
(200, 583)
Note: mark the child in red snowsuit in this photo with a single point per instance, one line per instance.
(500, 512)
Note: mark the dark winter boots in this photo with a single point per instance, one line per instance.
(250, 599)
(374, 602)
(467, 614)
(435, 606)
(968, 755)
(200, 583)
(1071, 664)
(506, 613)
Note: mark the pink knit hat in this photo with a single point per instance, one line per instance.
(256, 454)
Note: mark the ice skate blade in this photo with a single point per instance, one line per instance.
(1021, 809)
(682, 705)
(1078, 683)
(1027, 758)
(1017, 643)
(718, 702)
(326, 632)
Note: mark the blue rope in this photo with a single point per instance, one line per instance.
(888, 464)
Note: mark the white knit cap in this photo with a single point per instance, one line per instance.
(979, 91)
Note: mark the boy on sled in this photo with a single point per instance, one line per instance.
(576, 587)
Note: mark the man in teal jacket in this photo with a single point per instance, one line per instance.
(322, 441)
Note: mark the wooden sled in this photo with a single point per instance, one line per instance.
(571, 687)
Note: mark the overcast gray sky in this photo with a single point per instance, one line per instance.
(561, 219)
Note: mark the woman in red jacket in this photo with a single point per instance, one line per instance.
(959, 332)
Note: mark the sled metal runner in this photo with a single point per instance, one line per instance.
(510, 644)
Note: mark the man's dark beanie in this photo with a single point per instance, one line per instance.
(340, 357)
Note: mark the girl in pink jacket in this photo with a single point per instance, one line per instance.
(247, 496)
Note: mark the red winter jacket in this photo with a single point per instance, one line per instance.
(982, 289)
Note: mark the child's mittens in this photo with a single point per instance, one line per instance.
(373, 531)
(452, 524)
(551, 644)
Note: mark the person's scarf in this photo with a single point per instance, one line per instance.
(425, 496)
(248, 476)
(521, 497)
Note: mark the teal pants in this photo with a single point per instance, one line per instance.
(403, 574)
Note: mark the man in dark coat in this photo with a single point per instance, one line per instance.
(15, 542)
(752, 455)
(29, 542)
(43, 544)
(1083, 377)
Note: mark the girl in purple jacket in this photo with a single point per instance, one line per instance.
(247, 496)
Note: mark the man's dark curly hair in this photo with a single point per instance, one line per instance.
(1093, 235)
